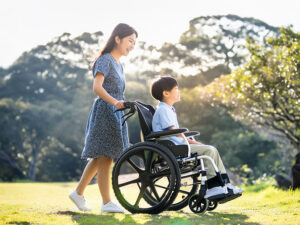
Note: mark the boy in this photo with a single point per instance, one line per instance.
(166, 91)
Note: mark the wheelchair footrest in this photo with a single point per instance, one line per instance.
(217, 197)
(228, 198)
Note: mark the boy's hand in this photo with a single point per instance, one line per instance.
(193, 142)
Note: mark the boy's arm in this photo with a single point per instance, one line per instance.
(181, 136)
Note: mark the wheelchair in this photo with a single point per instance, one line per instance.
(162, 175)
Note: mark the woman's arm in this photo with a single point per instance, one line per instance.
(102, 93)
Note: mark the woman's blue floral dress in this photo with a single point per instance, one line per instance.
(105, 135)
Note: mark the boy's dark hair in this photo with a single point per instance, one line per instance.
(165, 83)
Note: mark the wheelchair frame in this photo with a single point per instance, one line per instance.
(161, 164)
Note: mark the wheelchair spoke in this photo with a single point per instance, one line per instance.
(149, 160)
(161, 174)
(194, 203)
(154, 191)
(134, 166)
(130, 182)
(185, 192)
(167, 188)
(165, 192)
(142, 191)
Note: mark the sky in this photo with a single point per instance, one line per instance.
(26, 24)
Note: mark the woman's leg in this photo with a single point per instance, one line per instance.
(87, 175)
(104, 178)
(101, 166)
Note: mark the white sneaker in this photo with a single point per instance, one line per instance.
(234, 189)
(79, 201)
(216, 192)
(112, 207)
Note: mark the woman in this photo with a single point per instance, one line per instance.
(105, 137)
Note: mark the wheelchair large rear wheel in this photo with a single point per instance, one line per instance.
(148, 170)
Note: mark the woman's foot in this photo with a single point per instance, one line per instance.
(79, 201)
(112, 208)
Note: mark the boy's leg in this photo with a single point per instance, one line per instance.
(216, 188)
(212, 152)
(212, 180)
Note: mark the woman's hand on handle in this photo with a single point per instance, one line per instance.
(119, 104)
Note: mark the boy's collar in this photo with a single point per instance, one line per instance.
(163, 103)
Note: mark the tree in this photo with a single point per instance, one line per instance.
(221, 39)
(266, 90)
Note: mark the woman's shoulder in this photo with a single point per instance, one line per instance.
(105, 57)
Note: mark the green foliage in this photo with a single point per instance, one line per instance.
(223, 43)
(265, 91)
(238, 144)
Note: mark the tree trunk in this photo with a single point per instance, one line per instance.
(32, 167)
(7, 160)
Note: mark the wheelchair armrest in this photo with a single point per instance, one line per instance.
(191, 133)
(166, 133)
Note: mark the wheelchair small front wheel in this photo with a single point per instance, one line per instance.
(212, 205)
(198, 204)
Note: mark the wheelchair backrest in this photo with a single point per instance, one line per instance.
(145, 113)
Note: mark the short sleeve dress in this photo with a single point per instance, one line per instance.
(105, 135)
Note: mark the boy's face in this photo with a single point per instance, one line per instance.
(173, 95)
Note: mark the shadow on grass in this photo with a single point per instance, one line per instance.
(19, 223)
(166, 218)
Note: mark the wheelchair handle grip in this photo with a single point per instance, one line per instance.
(127, 105)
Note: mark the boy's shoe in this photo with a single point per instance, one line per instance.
(79, 201)
(112, 208)
(234, 189)
(216, 192)
(233, 193)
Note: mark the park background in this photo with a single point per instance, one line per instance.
(237, 65)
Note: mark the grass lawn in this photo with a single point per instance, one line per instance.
(48, 203)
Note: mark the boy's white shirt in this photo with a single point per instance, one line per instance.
(163, 118)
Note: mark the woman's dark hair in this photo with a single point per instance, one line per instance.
(121, 30)
(165, 83)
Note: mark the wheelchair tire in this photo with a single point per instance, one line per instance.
(212, 205)
(146, 179)
(197, 204)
